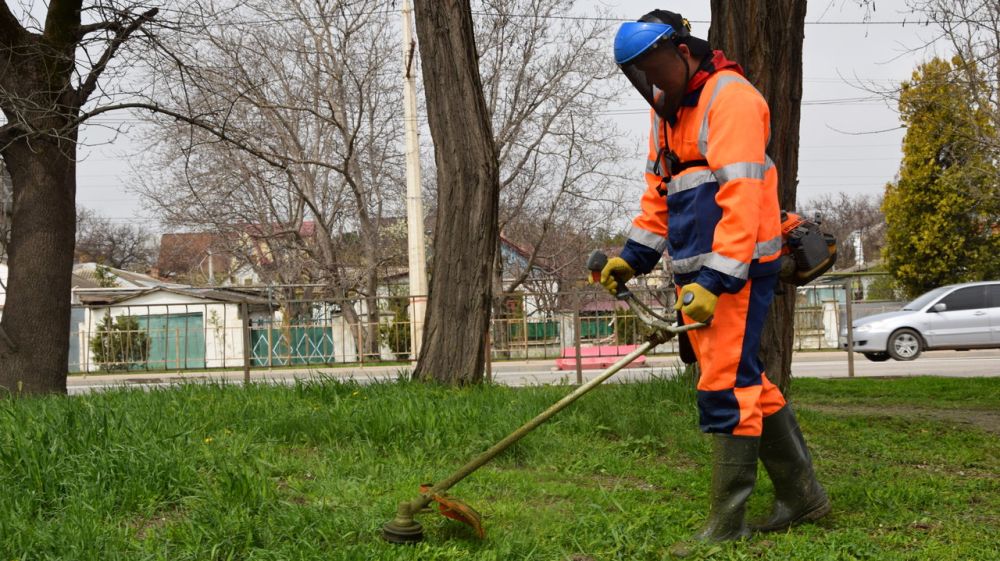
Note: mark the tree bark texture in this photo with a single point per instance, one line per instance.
(766, 38)
(466, 232)
(40, 260)
(35, 75)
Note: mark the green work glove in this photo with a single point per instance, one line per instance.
(696, 302)
(616, 270)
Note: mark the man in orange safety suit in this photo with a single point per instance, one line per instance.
(710, 180)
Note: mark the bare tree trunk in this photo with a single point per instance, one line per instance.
(371, 303)
(35, 94)
(36, 319)
(38, 143)
(460, 292)
(766, 38)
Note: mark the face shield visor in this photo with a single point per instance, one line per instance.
(633, 42)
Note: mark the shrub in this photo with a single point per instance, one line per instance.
(120, 344)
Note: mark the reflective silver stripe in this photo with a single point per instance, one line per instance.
(728, 265)
(656, 134)
(648, 239)
(719, 84)
(741, 170)
(768, 248)
(721, 263)
(688, 264)
(689, 181)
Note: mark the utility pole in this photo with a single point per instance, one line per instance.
(849, 289)
(211, 269)
(414, 203)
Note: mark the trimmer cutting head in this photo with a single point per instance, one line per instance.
(403, 529)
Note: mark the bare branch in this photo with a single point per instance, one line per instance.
(210, 128)
(121, 36)
(89, 28)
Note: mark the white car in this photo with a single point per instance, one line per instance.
(957, 316)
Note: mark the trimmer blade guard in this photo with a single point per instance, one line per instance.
(455, 509)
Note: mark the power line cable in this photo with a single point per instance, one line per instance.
(847, 101)
(287, 18)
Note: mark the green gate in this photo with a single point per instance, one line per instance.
(176, 341)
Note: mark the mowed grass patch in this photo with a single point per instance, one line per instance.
(919, 391)
(313, 471)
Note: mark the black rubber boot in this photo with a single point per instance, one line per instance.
(798, 496)
(734, 472)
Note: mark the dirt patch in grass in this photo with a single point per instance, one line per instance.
(627, 481)
(988, 421)
(964, 472)
(145, 526)
(678, 461)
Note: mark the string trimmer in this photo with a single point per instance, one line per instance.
(404, 529)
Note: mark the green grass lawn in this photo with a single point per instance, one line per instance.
(313, 471)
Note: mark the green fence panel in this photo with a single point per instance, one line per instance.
(537, 330)
(309, 345)
(596, 327)
(543, 330)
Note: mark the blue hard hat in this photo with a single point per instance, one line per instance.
(636, 37)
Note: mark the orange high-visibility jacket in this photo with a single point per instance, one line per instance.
(724, 219)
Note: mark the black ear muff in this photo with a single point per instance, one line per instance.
(680, 24)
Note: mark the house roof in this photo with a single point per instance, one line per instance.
(86, 275)
(541, 263)
(106, 296)
(80, 281)
(183, 252)
(522, 251)
(221, 295)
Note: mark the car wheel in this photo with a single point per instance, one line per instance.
(877, 357)
(904, 344)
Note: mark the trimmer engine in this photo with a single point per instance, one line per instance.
(806, 251)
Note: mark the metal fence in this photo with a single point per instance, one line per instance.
(175, 336)
(523, 328)
(823, 311)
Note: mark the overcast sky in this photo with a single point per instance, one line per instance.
(839, 50)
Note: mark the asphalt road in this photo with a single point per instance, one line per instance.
(957, 364)
(804, 364)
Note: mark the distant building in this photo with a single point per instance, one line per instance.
(186, 328)
(195, 257)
